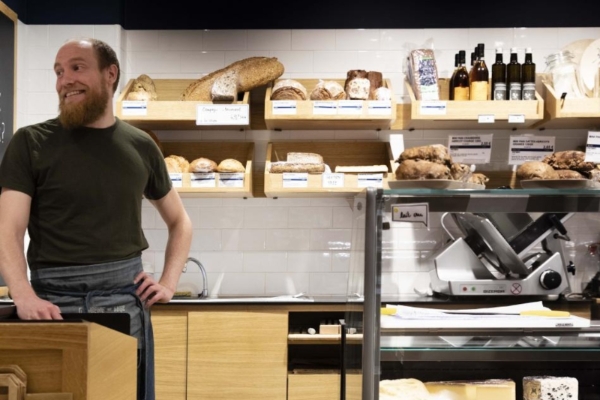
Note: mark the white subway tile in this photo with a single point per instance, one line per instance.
(149, 62)
(403, 282)
(42, 103)
(310, 217)
(157, 239)
(448, 38)
(269, 39)
(148, 218)
(342, 217)
(287, 284)
(567, 36)
(109, 34)
(416, 239)
(200, 202)
(41, 80)
(250, 202)
(202, 62)
(313, 39)
(332, 202)
(330, 284)
(265, 217)
(492, 38)
(37, 118)
(206, 239)
(400, 260)
(243, 284)
(444, 60)
(36, 35)
(159, 260)
(382, 61)
(141, 40)
(542, 38)
(185, 40)
(312, 135)
(309, 261)
(403, 39)
(245, 240)
(265, 261)
(59, 34)
(340, 262)
(288, 202)
(339, 62)
(295, 61)
(222, 261)
(233, 56)
(220, 218)
(330, 239)
(40, 58)
(287, 239)
(148, 257)
(357, 39)
(225, 40)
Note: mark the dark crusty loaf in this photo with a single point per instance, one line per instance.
(536, 170)
(436, 153)
(570, 159)
(411, 169)
(569, 174)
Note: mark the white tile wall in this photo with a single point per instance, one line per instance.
(287, 246)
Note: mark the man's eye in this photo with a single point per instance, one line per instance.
(58, 73)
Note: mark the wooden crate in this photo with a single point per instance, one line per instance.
(304, 119)
(216, 151)
(334, 154)
(169, 112)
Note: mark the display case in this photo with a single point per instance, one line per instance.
(467, 349)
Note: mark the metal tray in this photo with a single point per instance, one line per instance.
(434, 184)
(559, 184)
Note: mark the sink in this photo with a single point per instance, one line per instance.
(249, 299)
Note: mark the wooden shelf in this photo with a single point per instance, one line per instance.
(302, 338)
(305, 119)
(169, 112)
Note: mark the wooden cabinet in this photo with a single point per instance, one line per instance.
(170, 358)
(323, 387)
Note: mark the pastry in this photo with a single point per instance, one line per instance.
(202, 165)
(536, 170)
(479, 179)
(569, 174)
(435, 153)
(288, 89)
(230, 165)
(570, 159)
(173, 166)
(459, 171)
(184, 165)
(411, 169)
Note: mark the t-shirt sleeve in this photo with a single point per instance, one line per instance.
(16, 170)
(159, 181)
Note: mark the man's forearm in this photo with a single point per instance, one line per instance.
(176, 253)
(13, 268)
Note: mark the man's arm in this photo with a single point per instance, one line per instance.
(178, 247)
(14, 216)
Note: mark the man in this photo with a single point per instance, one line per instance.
(76, 183)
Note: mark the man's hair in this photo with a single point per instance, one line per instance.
(106, 57)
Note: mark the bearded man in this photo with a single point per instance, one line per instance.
(76, 184)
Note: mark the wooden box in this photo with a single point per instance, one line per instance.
(216, 151)
(169, 112)
(306, 119)
(334, 154)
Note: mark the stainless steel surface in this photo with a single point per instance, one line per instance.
(483, 355)
(204, 292)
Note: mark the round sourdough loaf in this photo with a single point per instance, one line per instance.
(230, 165)
(202, 164)
(183, 163)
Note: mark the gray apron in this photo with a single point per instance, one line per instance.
(104, 288)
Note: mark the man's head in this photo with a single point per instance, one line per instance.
(87, 75)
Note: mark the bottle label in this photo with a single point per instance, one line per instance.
(461, 93)
(515, 91)
(479, 90)
(529, 91)
(500, 92)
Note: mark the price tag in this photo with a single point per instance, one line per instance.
(470, 149)
(131, 107)
(380, 107)
(350, 107)
(516, 118)
(222, 114)
(295, 179)
(529, 148)
(231, 180)
(411, 212)
(396, 144)
(592, 149)
(176, 179)
(325, 108)
(370, 180)
(486, 118)
(284, 107)
(333, 180)
(433, 108)
(203, 180)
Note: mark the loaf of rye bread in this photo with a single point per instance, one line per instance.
(251, 72)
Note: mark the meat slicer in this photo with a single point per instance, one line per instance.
(503, 255)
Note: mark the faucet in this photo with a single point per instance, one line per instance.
(204, 292)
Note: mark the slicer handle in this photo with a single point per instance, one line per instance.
(558, 224)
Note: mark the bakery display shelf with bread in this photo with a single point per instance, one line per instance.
(356, 160)
(189, 158)
(306, 93)
(561, 170)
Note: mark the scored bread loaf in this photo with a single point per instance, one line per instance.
(173, 166)
(202, 165)
(570, 159)
(281, 167)
(569, 174)
(536, 170)
(328, 90)
(288, 89)
(143, 88)
(478, 178)
(435, 153)
(306, 158)
(184, 165)
(411, 169)
(230, 165)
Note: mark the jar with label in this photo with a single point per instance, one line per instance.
(564, 74)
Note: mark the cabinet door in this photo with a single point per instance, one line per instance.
(237, 355)
(323, 387)
(170, 358)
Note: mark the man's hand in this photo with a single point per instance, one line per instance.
(150, 291)
(33, 307)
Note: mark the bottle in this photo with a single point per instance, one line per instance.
(472, 59)
(479, 77)
(499, 77)
(528, 76)
(460, 81)
(450, 86)
(513, 76)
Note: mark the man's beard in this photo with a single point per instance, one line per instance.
(85, 112)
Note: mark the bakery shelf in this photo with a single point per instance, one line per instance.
(169, 112)
(216, 151)
(305, 119)
(467, 114)
(304, 338)
(334, 154)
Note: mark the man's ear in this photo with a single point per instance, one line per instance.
(112, 72)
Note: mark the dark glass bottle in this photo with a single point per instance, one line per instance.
(528, 76)
(450, 86)
(479, 77)
(460, 81)
(513, 76)
(499, 77)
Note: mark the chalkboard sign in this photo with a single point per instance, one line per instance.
(8, 28)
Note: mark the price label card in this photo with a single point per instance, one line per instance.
(350, 107)
(411, 212)
(333, 180)
(130, 107)
(176, 179)
(231, 180)
(529, 148)
(284, 107)
(295, 179)
(380, 107)
(222, 114)
(592, 149)
(433, 108)
(470, 149)
(516, 118)
(486, 118)
(203, 180)
(325, 108)
(370, 180)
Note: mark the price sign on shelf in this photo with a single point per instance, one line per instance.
(222, 114)
(135, 108)
(380, 107)
(432, 107)
(176, 179)
(203, 180)
(470, 149)
(295, 180)
(325, 107)
(231, 180)
(333, 180)
(592, 149)
(350, 107)
(284, 107)
(370, 180)
(486, 118)
(529, 148)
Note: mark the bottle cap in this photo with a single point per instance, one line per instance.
(462, 52)
(528, 50)
(498, 50)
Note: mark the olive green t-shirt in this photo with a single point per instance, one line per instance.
(86, 187)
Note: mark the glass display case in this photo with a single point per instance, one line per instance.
(485, 244)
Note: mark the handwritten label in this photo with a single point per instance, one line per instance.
(131, 107)
(370, 180)
(295, 179)
(486, 118)
(223, 114)
(529, 148)
(203, 180)
(516, 118)
(470, 149)
(176, 179)
(231, 180)
(284, 107)
(411, 212)
(333, 180)
(380, 107)
(350, 107)
(433, 108)
(325, 108)
(592, 149)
